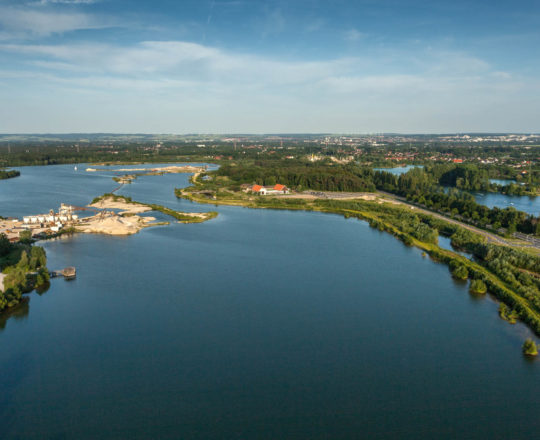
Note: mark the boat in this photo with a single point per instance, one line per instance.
(75, 168)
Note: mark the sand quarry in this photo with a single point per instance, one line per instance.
(125, 222)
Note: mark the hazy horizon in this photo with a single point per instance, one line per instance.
(387, 133)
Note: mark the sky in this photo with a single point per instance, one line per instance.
(269, 66)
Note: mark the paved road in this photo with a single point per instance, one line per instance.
(492, 238)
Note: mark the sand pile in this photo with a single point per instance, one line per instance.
(115, 225)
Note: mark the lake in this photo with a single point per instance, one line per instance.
(399, 170)
(530, 205)
(260, 324)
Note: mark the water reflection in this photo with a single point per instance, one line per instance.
(17, 313)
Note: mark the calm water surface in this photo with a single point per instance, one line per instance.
(399, 170)
(530, 205)
(503, 182)
(259, 324)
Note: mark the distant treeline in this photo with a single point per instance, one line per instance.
(7, 174)
(129, 153)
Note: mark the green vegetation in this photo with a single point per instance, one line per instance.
(8, 174)
(530, 348)
(322, 176)
(508, 314)
(459, 271)
(471, 177)
(184, 217)
(478, 287)
(421, 187)
(25, 269)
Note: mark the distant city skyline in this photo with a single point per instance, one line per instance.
(298, 66)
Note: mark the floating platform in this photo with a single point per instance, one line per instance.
(68, 273)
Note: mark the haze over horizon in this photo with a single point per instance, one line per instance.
(303, 66)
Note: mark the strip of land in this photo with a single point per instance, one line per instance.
(127, 221)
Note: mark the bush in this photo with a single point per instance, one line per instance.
(460, 272)
(530, 348)
(478, 287)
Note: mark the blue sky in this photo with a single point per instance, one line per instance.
(263, 66)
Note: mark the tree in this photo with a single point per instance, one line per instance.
(5, 245)
(25, 236)
(478, 287)
(23, 262)
(460, 272)
(530, 348)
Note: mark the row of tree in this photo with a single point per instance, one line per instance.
(418, 186)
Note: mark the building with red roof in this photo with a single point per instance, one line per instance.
(276, 189)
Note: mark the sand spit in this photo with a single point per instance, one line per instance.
(126, 222)
(169, 169)
(125, 207)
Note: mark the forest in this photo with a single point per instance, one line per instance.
(301, 175)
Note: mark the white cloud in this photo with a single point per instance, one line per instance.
(178, 59)
(161, 82)
(21, 22)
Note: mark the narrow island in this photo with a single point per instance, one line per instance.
(8, 174)
(530, 348)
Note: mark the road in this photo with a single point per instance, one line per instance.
(492, 238)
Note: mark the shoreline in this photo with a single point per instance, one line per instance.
(496, 287)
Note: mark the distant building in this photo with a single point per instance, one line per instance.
(276, 189)
(258, 189)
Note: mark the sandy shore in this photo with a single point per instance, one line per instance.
(126, 222)
(169, 169)
(124, 207)
(113, 224)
